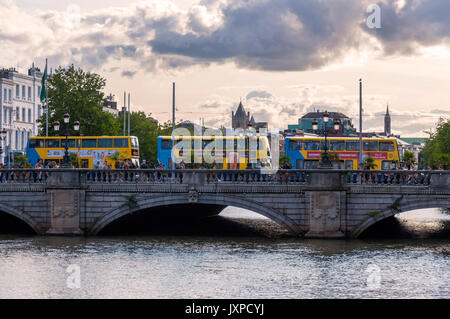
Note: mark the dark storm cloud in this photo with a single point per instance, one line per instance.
(259, 94)
(271, 35)
(211, 105)
(417, 23)
(128, 74)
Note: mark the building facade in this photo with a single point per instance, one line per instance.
(305, 124)
(20, 107)
(110, 105)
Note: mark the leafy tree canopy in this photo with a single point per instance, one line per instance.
(78, 93)
(437, 150)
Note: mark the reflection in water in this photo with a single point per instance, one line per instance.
(266, 263)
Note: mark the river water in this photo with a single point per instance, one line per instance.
(251, 258)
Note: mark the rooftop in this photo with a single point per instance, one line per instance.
(319, 114)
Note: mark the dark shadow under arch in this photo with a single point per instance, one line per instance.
(209, 204)
(385, 220)
(13, 222)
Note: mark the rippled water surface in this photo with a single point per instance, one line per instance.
(265, 264)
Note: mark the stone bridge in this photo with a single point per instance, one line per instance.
(308, 203)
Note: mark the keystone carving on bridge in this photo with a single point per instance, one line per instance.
(192, 195)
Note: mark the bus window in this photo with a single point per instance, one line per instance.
(311, 164)
(260, 144)
(123, 142)
(352, 146)
(295, 145)
(105, 142)
(85, 143)
(71, 143)
(53, 143)
(165, 144)
(312, 145)
(37, 143)
(348, 164)
(84, 163)
(239, 144)
(337, 145)
(207, 142)
(253, 143)
(338, 165)
(386, 165)
(386, 146)
(371, 146)
(299, 164)
(134, 142)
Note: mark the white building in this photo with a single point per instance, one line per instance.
(110, 105)
(20, 107)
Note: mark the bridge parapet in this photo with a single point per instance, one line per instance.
(314, 203)
(326, 178)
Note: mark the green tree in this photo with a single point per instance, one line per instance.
(114, 157)
(285, 161)
(437, 150)
(78, 93)
(334, 157)
(369, 163)
(74, 159)
(409, 159)
(147, 133)
(21, 161)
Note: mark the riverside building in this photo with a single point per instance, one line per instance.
(20, 107)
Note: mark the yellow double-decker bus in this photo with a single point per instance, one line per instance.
(227, 152)
(305, 152)
(92, 151)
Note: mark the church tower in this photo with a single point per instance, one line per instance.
(387, 122)
(240, 119)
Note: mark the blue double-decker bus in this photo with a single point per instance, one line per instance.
(305, 152)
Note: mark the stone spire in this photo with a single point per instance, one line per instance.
(387, 122)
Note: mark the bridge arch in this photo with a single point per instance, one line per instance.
(27, 220)
(205, 199)
(411, 205)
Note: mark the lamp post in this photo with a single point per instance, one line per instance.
(66, 132)
(326, 163)
(3, 138)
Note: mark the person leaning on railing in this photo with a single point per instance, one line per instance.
(38, 166)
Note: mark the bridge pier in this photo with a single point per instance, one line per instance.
(326, 210)
(65, 196)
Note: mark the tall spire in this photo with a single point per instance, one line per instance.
(387, 122)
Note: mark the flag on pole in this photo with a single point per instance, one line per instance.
(43, 83)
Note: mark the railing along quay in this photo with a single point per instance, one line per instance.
(206, 176)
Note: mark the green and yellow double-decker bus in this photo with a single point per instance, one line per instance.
(92, 151)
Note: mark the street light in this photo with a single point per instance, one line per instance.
(66, 133)
(326, 163)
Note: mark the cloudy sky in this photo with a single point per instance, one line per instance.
(281, 57)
